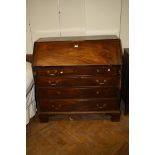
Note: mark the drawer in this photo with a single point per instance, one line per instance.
(97, 92)
(79, 70)
(71, 105)
(77, 81)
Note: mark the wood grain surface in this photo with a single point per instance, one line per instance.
(29, 57)
(85, 52)
(78, 135)
(67, 71)
(78, 92)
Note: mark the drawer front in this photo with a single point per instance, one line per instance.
(83, 70)
(98, 92)
(71, 105)
(77, 81)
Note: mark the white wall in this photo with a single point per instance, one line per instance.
(72, 17)
(102, 17)
(29, 43)
(44, 18)
(125, 24)
(77, 17)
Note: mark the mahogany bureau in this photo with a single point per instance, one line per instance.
(77, 75)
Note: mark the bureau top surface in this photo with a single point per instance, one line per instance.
(73, 51)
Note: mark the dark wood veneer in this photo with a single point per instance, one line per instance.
(71, 105)
(78, 75)
(29, 57)
(77, 92)
(99, 52)
(77, 81)
(108, 70)
(125, 80)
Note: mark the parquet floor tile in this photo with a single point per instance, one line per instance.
(79, 135)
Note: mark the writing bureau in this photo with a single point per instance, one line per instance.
(77, 75)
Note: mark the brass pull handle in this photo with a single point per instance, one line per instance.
(108, 69)
(101, 107)
(52, 84)
(97, 70)
(97, 92)
(97, 81)
(101, 83)
(49, 72)
(56, 107)
(119, 72)
(58, 92)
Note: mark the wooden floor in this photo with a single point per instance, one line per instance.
(78, 135)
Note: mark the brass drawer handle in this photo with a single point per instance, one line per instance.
(52, 84)
(56, 107)
(49, 72)
(119, 72)
(58, 92)
(97, 92)
(97, 70)
(101, 83)
(101, 107)
(108, 69)
(97, 81)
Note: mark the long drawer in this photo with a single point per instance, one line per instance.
(77, 81)
(63, 92)
(80, 70)
(71, 105)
